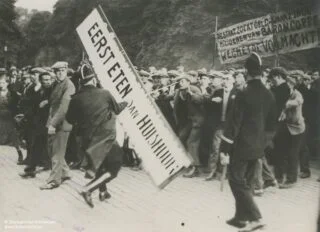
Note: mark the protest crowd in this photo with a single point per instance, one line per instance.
(36, 114)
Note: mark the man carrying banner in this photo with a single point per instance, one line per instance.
(244, 139)
(93, 110)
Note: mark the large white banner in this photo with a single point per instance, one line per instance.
(281, 33)
(162, 154)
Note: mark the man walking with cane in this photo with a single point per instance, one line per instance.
(244, 139)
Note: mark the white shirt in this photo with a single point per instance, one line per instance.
(226, 94)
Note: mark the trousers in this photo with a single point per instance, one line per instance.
(57, 145)
(240, 173)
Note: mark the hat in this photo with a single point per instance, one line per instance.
(253, 64)
(60, 64)
(202, 72)
(12, 68)
(296, 73)
(173, 73)
(144, 73)
(278, 71)
(183, 76)
(192, 73)
(213, 74)
(37, 70)
(292, 79)
(87, 74)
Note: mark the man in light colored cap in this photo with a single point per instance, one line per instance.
(58, 128)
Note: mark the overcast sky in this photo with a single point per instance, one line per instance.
(40, 5)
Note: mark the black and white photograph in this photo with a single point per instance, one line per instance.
(160, 115)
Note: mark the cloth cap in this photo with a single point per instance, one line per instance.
(60, 64)
(12, 68)
(278, 71)
(193, 73)
(173, 73)
(38, 70)
(202, 72)
(183, 76)
(144, 73)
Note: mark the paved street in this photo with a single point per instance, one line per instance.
(136, 205)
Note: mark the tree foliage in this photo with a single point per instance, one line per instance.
(153, 32)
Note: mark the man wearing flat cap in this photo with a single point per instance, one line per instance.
(189, 113)
(244, 140)
(96, 121)
(290, 133)
(58, 128)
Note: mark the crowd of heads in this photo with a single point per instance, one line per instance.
(163, 81)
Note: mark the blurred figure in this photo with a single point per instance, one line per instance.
(8, 108)
(239, 81)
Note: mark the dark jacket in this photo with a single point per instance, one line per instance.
(252, 117)
(281, 94)
(217, 107)
(309, 103)
(41, 115)
(93, 111)
(189, 110)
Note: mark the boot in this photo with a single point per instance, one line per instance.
(192, 173)
(87, 197)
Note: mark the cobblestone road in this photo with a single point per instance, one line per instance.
(136, 205)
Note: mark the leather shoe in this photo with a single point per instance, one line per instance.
(89, 175)
(258, 192)
(104, 195)
(270, 183)
(287, 185)
(27, 175)
(236, 223)
(305, 175)
(211, 176)
(87, 197)
(63, 179)
(252, 226)
(192, 173)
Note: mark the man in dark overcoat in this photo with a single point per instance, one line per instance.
(39, 151)
(93, 110)
(244, 139)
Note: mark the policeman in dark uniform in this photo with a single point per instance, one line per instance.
(93, 110)
(244, 139)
